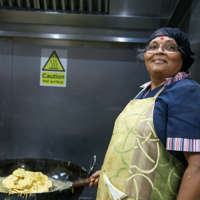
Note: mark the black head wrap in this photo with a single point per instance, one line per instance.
(182, 41)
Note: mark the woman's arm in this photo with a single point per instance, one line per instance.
(190, 185)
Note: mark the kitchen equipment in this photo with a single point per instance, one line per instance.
(54, 169)
(75, 184)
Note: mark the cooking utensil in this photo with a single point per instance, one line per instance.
(81, 182)
(55, 169)
(75, 184)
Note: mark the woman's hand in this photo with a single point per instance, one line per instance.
(95, 179)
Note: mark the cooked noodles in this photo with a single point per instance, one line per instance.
(22, 181)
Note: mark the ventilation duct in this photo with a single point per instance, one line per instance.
(68, 6)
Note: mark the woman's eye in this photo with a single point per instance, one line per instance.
(170, 47)
(152, 47)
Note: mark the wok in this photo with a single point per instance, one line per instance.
(60, 170)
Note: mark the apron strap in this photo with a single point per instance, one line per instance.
(140, 92)
(159, 91)
(155, 94)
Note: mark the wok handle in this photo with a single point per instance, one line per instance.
(92, 165)
(81, 182)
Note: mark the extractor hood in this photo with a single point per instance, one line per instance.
(100, 20)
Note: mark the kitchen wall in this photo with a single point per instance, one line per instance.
(70, 123)
(190, 25)
(194, 32)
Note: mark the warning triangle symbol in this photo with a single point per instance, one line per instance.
(53, 63)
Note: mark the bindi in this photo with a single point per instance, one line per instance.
(161, 38)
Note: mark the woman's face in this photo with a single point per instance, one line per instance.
(160, 63)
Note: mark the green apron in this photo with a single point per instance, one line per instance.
(137, 166)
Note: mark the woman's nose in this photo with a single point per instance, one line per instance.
(160, 49)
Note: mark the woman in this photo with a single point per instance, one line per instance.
(154, 150)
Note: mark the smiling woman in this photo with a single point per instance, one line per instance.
(154, 153)
(162, 62)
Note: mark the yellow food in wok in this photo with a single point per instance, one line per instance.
(21, 181)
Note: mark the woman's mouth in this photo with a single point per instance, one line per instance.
(159, 61)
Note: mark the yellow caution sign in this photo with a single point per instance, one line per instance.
(53, 63)
(53, 71)
(53, 78)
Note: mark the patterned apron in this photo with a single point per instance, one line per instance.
(137, 166)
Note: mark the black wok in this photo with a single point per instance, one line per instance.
(63, 171)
